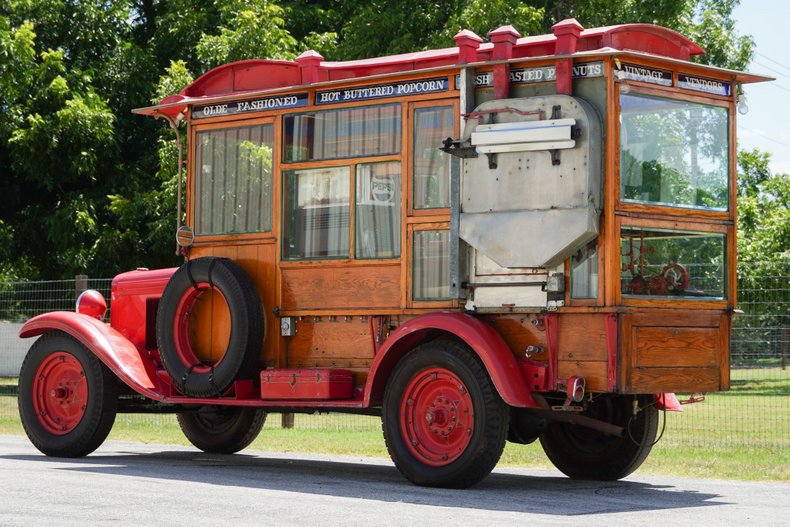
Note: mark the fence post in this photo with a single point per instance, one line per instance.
(287, 420)
(80, 284)
(784, 348)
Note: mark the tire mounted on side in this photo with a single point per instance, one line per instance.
(193, 280)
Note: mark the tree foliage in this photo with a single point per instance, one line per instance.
(90, 188)
(764, 213)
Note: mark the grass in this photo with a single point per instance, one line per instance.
(743, 434)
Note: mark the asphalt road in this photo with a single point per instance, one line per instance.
(136, 484)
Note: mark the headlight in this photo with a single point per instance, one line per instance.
(91, 303)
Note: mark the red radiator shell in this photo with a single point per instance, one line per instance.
(301, 384)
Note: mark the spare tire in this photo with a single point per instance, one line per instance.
(209, 327)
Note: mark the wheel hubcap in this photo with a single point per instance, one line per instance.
(60, 393)
(436, 417)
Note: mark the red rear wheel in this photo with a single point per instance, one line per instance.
(583, 453)
(444, 423)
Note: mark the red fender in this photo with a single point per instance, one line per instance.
(668, 402)
(117, 352)
(497, 358)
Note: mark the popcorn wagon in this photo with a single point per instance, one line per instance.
(531, 238)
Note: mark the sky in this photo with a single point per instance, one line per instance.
(767, 124)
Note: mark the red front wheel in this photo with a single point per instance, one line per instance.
(444, 422)
(67, 397)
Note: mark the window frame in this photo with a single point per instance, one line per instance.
(414, 214)
(408, 270)
(673, 225)
(399, 219)
(683, 206)
(313, 110)
(618, 212)
(664, 209)
(191, 179)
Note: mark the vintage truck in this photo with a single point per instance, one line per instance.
(531, 238)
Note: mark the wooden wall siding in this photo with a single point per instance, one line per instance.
(259, 262)
(675, 351)
(209, 326)
(581, 343)
(518, 331)
(655, 347)
(332, 342)
(342, 287)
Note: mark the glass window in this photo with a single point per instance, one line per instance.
(674, 264)
(233, 170)
(351, 132)
(431, 165)
(378, 210)
(673, 153)
(316, 213)
(431, 271)
(584, 272)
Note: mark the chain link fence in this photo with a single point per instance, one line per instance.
(755, 413)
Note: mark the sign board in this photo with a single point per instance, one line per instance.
(716, 87)
(382, 91)
(639, 73)
(584, 70)
(250, 105)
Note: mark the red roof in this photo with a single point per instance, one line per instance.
(260, 75)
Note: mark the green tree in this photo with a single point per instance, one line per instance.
(58, 138)
(763, 214)
(250, 29)
(378, 27)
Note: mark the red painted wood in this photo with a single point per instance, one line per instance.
(552, 324)
(611, 351)
(259, 75)
(467, 42)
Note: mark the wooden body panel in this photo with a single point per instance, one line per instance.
(674, 351)
(210, 310)
(519, 332)
(332, 342)
(341, 286)
(582, 349)
(616, 342)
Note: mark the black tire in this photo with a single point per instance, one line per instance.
(222, 429)
(583, 453)
(239, 361)
(67, 398)
(444, 423)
